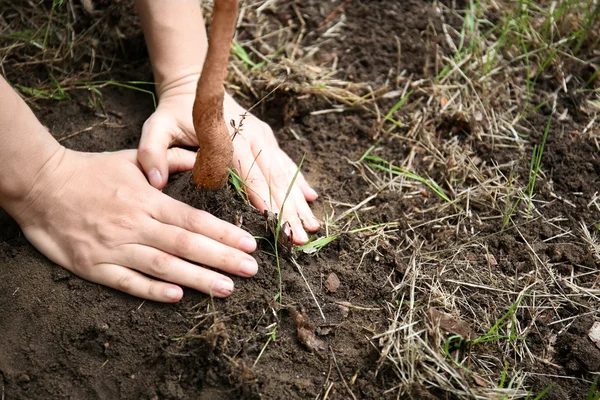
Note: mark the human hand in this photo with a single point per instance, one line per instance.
(257, 158)
(96, 215)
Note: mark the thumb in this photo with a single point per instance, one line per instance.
(152, 151)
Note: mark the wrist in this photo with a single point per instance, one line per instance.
(176, 40)
(176, 84)
(26, 151)
(28, 174)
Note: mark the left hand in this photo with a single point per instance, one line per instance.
(257, 158)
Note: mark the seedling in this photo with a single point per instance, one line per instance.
(536, 160)
(543, 392)
(272, 337)
(213, 161)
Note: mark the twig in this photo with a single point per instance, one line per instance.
(308, 286)
(341, 375)
(350, 305)
(335, 11)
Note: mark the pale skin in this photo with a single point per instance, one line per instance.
(177, 44)
(96, 215)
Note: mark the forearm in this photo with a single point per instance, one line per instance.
(176, 40)
(27, 148)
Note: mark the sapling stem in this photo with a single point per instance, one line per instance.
(211, 169)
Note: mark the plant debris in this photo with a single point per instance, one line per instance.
(306, 331)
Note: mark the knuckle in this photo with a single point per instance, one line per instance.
(265, 128)
(125, 222)
(183, 242)
(195, 220)
(229, 232)
(145, 152)
(153, 289)
(159, 267)
(82, 261)
(124, 283)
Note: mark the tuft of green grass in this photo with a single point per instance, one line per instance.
(492, 335)
(593, 393)
(279, 296)
(132, 85)
(395, 107)
(314, 246)
(239, 185)
(271, 57)
(384, 165)
(40, 93)
(238, 51)
(536, 160)
(535, 166)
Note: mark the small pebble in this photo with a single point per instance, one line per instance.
(101, 327)
(345, 311)
(333, 282)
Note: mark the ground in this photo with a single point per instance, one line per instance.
(466, 270)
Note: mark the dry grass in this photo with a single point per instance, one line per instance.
(49, 49)
(486, 85)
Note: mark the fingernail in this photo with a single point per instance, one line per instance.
(155, 178)
(222, 287)
(173, 294)
(312, 193)
(314, 222)
(248, 268)
(247, 244)
(302, 236)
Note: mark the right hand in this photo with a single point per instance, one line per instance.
(257, 158)
(97, 216)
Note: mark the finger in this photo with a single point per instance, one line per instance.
(176, 213)
(152, 151)
(305, 214)
(279, 182)
(198, 248)
(309, 193)
(289, 214)
(173, 269)
(134, 283)
(180, 160)
(257, 188)
(266, 190)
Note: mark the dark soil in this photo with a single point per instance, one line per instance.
(64, 337)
